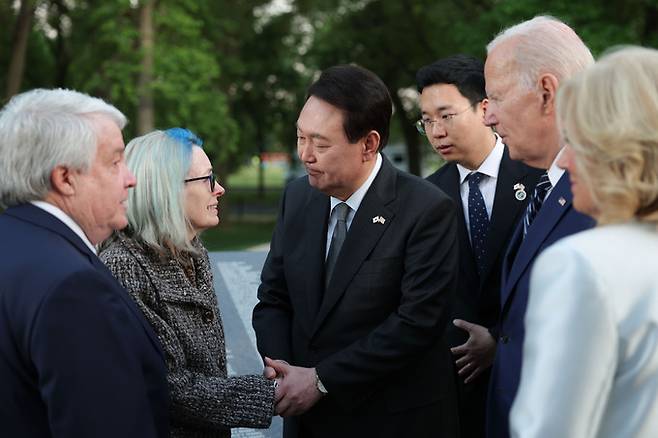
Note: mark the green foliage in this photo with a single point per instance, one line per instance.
(104, 38)
(186, 80)
(247, 177)
(237, 74)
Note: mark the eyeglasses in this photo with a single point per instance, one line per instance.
(425, 125)
(211, 178)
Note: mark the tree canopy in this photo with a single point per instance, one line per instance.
(237, 72)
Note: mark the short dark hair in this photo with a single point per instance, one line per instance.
(361, 95)
(463, 71)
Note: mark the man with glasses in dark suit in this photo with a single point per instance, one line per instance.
(490, 190)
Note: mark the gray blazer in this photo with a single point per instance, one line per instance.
(183, 312)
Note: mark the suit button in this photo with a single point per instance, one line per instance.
(504, 339)
(208, 316)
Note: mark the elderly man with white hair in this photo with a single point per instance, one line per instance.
(77, 359)
(525, 66)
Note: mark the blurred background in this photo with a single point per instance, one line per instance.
(236, 72)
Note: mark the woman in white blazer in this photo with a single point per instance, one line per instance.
(591, 348)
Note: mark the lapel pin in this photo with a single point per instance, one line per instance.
(519, 192)
(379, 219)
(562, 201)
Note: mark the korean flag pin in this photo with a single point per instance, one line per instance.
(562, 201)
(519, 192)
(379, 219)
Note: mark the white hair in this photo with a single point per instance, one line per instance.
(156, 206)
(42, 129)
(545, 45)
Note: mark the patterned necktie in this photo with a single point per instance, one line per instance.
(337, 238)
(542, 187)
(478, 219)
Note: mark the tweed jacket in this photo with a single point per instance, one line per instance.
(182, 308)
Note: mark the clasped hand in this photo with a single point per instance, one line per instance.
(296, 391)
(477, 353)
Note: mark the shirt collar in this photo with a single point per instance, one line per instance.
(62, 216)
(354, 201)
(555, 172)
(489, 166)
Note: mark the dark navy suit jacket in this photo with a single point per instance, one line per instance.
(556, 219)
(77, 359)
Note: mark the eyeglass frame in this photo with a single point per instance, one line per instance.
(212, 179)
(445, 119)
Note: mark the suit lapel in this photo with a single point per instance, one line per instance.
(314, 238)
(361, 238)
(451, 186)
(554, 207)
(505, 211)
(508, 260)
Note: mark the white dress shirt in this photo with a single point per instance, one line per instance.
(590, 357)
(489, 167)
(59, 214)
(353, 202)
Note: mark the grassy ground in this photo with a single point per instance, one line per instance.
(247, 176)
(237, 236)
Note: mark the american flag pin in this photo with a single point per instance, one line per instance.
(562, 201)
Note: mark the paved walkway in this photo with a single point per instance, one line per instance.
(237, 276)
(260, 248)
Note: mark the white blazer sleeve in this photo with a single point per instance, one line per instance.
(570, 350)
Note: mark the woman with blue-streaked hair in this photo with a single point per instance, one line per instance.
(162, 263)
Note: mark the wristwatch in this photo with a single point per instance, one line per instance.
(319, 385)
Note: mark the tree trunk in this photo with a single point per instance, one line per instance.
(60, 49)
(647, 34)
(145, 113)
(410, 134)
(261, 165)
(19, 47)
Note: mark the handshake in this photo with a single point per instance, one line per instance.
(296, 389)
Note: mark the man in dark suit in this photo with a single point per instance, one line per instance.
(490, 190)
(356, 287)
(77, 359)
(524, 68)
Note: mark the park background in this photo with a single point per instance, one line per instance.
(236, 71)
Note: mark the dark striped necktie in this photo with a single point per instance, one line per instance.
(542, 187)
